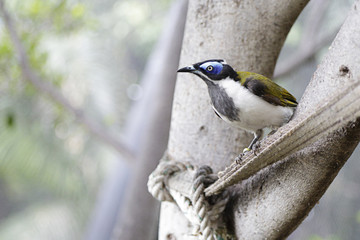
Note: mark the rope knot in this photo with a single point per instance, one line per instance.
(184, 185)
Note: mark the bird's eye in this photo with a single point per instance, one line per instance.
(211, 67)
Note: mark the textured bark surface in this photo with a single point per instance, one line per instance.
(249, 35)
(275, 201)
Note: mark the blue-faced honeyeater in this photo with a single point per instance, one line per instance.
(246, 100)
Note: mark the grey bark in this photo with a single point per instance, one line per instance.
(275, 201)
(272, 203)
(249, 35)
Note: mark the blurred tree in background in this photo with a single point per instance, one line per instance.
(94, 52)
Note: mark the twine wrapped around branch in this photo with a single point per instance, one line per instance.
(184, 185)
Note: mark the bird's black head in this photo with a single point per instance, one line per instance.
(211, 70)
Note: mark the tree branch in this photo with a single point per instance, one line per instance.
(274, 201)
(250, 40)
(308, 47)
(49, 90)
(339, 111)
(303, 53)
(271, 203)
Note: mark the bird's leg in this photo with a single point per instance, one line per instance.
(257, 135)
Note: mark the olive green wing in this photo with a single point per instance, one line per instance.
(267, 89)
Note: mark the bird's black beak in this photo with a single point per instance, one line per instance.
(187, 69)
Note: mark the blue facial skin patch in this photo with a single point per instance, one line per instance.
(212, 67)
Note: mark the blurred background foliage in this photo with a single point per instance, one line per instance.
(94, 52)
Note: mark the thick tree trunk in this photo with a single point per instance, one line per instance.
(272, 203)
(249, 35)
(275, 201)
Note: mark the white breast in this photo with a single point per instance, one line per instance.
(255, 113)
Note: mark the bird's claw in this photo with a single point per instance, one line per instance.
(256, 146)
(239, 158)
(246, 150)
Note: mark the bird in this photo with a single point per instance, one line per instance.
(245, 100)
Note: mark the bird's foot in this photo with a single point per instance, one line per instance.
(256, 147)
(238, 159)
(246, 150)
